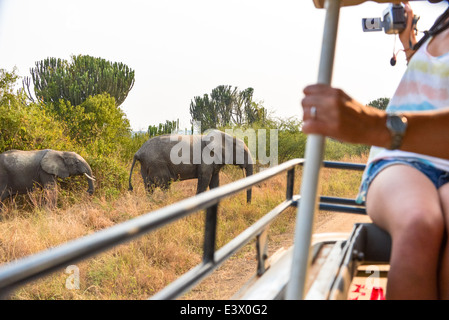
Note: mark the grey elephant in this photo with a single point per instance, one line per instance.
(173, 157)
(21, 170)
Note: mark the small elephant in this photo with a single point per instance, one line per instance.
(21, 170)
(202, 157)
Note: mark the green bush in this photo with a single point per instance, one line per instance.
(336, 150)
(97, 118)
(111, 174)
(26, 126)
(292, 141)
(131, 144)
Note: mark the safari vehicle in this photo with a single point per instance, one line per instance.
(318, 266)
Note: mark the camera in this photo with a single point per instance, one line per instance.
(394, 20)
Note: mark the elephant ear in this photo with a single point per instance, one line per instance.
(54, 164)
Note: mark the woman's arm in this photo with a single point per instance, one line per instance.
(340, 117)
(408, 37)
(428, 133)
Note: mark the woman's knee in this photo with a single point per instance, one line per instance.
(420, 226)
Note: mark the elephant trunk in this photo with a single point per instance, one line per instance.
(90, 180)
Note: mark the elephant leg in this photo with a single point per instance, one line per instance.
(215, 181)
(4, 194)
(149, 185)
(44, 193)
(165, 185)
(203, 182)
(51, 195)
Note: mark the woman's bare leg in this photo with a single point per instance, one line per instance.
(444, 264)
(404, 202)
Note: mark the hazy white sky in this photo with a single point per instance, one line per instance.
(184, 48)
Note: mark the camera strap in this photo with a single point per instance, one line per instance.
(441, 24)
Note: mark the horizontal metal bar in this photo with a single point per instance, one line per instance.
(191, 278)
(344, 165)
(28, 268)
(339, 200)
(342, 208)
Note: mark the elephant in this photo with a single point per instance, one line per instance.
(203, 156)
(21, 170)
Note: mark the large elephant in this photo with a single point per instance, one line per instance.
(172, 157)
(21, 170)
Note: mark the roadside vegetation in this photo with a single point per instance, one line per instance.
(142, 267)
(97, 129)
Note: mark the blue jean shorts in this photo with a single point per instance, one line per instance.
(437, 176)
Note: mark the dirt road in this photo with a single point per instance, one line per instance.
(337, 222)
(225, 282)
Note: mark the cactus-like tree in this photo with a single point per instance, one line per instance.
(163, 128)
(75, 81)
(380, 103)
(226, 106)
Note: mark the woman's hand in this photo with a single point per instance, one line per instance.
(331, 112)
(408, 37)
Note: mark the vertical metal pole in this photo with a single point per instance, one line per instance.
(313, 160)
(210, 233)
(290, 183)
(262, 249)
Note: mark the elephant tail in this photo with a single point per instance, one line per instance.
(130, 188)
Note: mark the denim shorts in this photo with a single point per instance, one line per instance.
(437, 176)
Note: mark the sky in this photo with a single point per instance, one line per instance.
(180, 49)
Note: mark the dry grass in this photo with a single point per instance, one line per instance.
(339, 183)
(140, 268)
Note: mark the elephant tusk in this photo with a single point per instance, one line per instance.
(89, 177)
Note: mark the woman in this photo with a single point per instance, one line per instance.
(405, 184)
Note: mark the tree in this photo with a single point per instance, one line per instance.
(226, 106)
(202, 109)
(56, 79)
(163, 128)
(380, 103)
(7, 80)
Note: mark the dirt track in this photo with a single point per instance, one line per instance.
(338, 222)
(224, 282)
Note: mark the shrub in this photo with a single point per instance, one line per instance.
(96, 119)
(111, 174)
(26, 126)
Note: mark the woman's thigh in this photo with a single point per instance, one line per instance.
(444, 200)
(401, 194)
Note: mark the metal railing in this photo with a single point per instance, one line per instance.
(342, 204)
(27, 269)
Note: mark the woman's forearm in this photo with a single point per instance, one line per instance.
(428, 133)
(339, 116)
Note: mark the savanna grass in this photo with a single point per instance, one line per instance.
(142, 267)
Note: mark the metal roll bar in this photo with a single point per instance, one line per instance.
(24, 270)
(314, 155)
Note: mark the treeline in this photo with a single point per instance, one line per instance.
(226, 106)
(97, 128)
